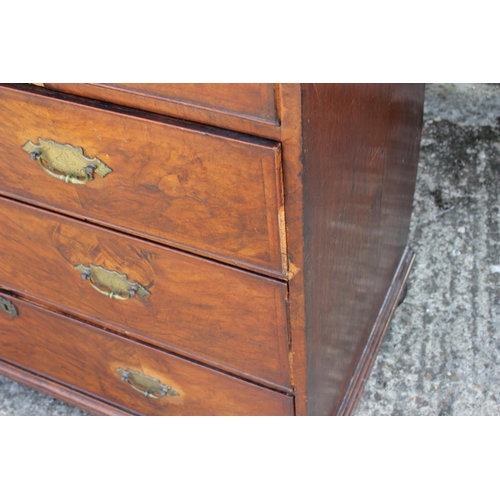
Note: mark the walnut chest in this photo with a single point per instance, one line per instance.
(203, 249)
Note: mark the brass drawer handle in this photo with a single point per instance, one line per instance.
(111, 283)
(65, 162)
(148, 386)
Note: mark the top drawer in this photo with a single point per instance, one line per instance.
(245, 107)
(216, 195)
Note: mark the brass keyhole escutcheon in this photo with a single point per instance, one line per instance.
(8, 307)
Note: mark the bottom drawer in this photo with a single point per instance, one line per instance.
(124, 372)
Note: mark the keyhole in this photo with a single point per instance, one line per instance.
(8, 308)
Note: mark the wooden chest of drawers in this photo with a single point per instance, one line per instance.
(242, 247)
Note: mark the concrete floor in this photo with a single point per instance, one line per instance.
(441, 353)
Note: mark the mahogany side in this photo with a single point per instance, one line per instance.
(360, 154)
(394, 297)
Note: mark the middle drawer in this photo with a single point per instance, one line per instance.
(211, 312)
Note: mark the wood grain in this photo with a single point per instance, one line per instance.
(85, 358)
(361, 146)
(244, 107)
(331, 225)
(215, 195)
(216, 314)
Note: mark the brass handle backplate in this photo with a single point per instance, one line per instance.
(65, 162)
(111, 283)
(148, 386)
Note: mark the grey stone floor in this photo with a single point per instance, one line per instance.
(441, 353)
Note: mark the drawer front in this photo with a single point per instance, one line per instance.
(133, 376)
(215, 195)
(245, 107)
(214, 313)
